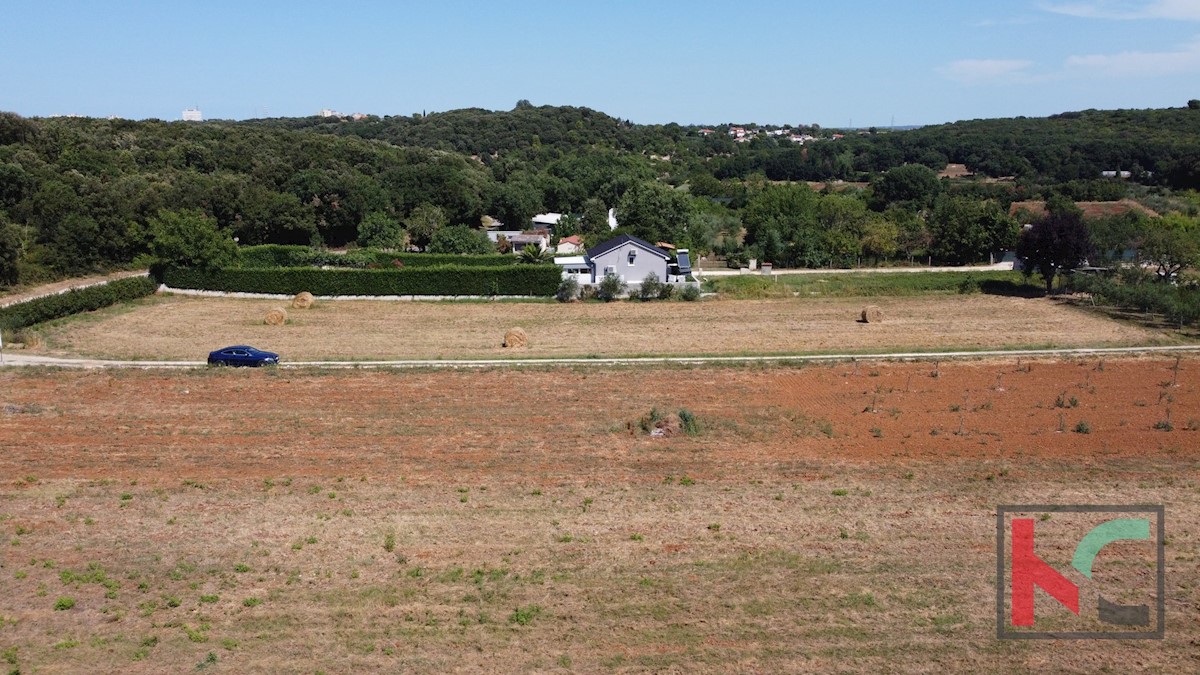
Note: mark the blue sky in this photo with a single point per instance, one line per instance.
(699, 62)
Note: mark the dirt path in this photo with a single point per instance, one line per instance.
(63, 286)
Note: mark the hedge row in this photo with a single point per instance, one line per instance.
(50, 307)
(275, 255)
(443, 280)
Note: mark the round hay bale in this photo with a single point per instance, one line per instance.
(276, 317)
(872, 314)
(516, 338)
(303, 300)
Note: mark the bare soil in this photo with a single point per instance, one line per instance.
(187, 328)
(825, 518)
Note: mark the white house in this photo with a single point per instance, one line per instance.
(546, 221)
(569, 245)
(575, 267)
(521, 240)
(627, 257)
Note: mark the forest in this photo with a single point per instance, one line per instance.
(80, 195)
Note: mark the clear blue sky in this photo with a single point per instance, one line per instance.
(692, 62)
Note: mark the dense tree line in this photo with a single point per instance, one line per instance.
(78, 195)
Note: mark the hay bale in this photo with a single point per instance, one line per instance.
(303, 300)
(276, 317)
(516, 338)
(872, 314)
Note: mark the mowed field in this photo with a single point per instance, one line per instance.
(186, 328)
(824, 518)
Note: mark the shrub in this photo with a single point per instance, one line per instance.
(50, 307)
(568, 290)
(690, 292)
(64, 603)
(687, 420)
(651, 287)
(610, 288)
(666, 291)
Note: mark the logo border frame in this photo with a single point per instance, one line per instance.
(1002, 630)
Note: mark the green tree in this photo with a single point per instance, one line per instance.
(188, 238)
(966, 230)
(10, 252)
(1058, 241)
(913, 185)
(655, 212)
(422, 223)
(594, 222)
(381, 231)
(1172, 245)
(461, 240)
(532, 254)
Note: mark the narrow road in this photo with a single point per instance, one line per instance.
(66, 285)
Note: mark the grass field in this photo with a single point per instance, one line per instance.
(833, 518)
(187, 328)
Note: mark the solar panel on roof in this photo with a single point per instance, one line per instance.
(685, 263)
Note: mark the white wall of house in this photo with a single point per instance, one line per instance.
(631, 269)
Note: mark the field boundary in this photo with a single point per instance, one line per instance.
(65, 362)
(163, 288)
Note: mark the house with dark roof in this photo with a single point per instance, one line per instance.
(625, 256)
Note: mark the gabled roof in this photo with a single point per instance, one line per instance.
(621, 240)
(573, 239)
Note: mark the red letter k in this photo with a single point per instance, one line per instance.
(1029, 570)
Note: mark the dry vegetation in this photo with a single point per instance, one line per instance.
(187, 328)
(832, 518)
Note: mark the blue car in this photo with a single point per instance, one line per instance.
(242, 355)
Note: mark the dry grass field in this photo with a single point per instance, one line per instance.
(826, 518)
(187, 328)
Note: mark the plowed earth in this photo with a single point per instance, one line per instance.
(824, 518)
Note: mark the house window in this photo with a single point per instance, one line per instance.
(609, 270)
(632, 255)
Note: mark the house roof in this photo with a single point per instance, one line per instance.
(548, 218)
(573, 239)
(527, 238)
(621, 240)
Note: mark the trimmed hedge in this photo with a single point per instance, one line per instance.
(50, 307)
(443, 280)
(274, 255)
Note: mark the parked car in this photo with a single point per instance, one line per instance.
(242, 355)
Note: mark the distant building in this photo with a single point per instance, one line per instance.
(192, 115)
(326, 112)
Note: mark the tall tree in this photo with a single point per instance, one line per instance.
(422, 223)
(188, 238)
(1058, 241)
(10, 252)
(460, 239)
(1172, 245)
(655, 212)
(380, 230)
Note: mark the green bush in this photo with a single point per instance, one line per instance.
(568, 290)
(690, 293)
(441, 280)
(50, 307)
(651, 287)
(610, 288)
